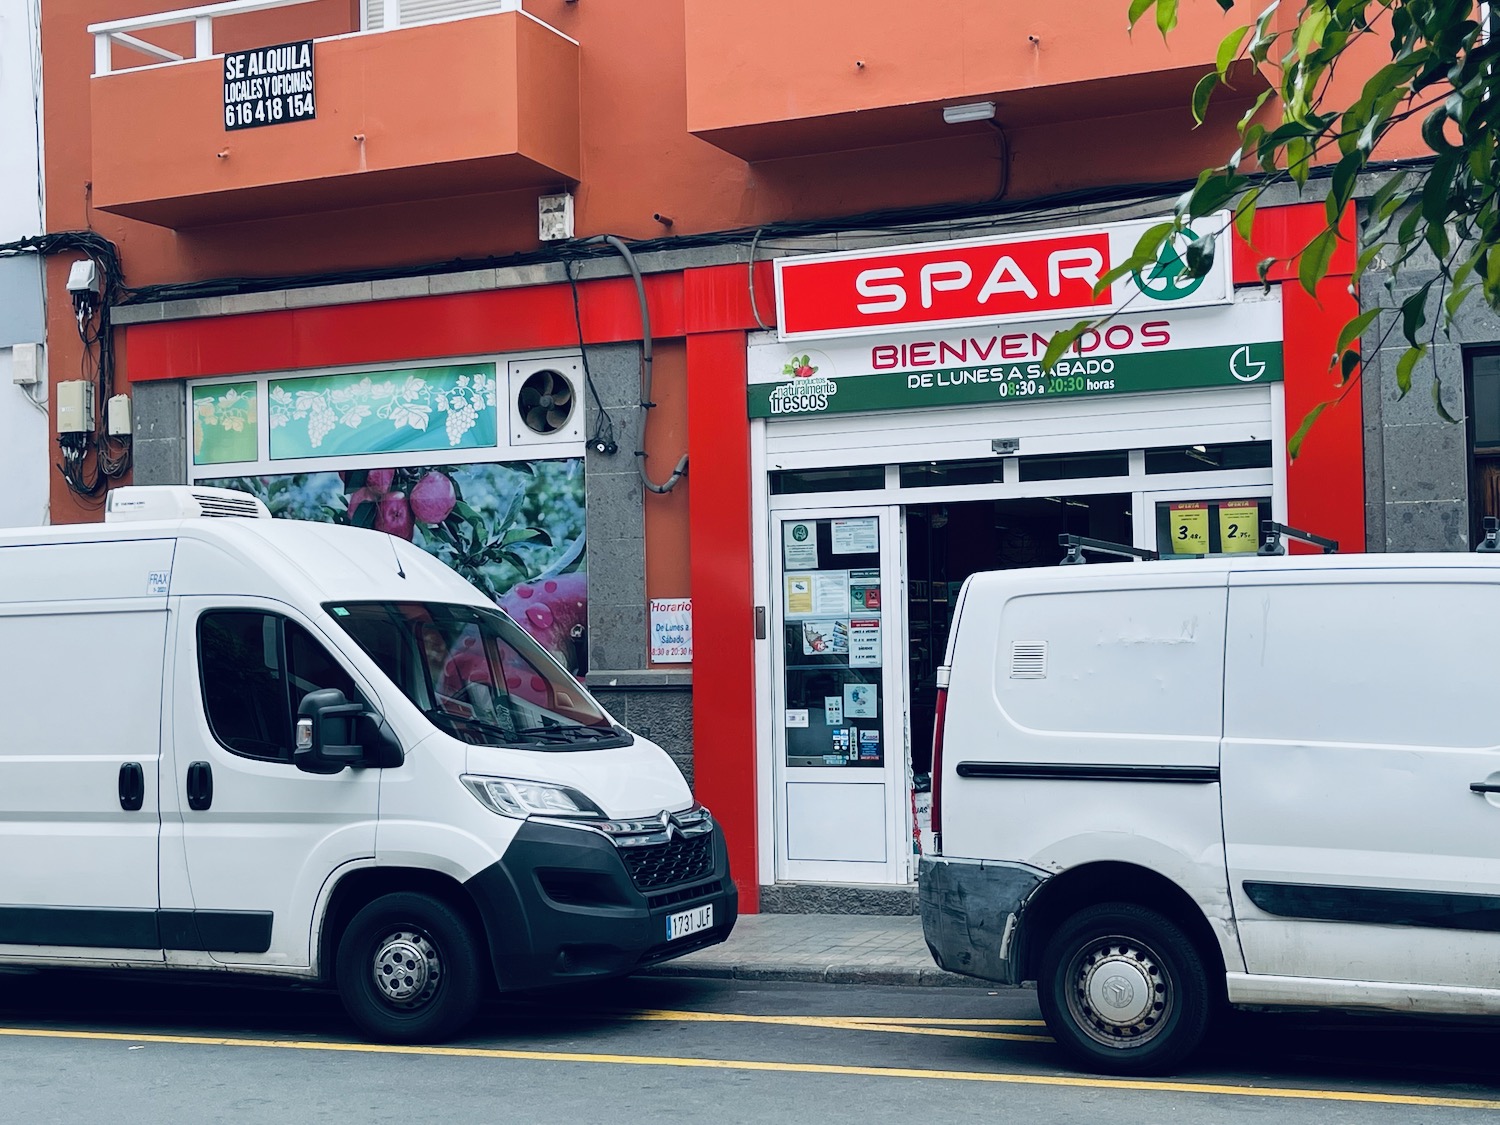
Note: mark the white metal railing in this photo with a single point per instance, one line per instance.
(106, 35)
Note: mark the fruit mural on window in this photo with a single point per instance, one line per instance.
(515, 530)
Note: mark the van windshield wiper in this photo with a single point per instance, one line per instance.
(568, 733)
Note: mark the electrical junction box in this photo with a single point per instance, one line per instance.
(75, 407)
(83, 276)
(117, 416)
(554, 214)
(26, 365)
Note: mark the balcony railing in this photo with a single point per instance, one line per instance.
(127, 32)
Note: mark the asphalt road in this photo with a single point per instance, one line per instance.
(82, 1048)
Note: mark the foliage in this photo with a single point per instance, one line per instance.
(1440, 69)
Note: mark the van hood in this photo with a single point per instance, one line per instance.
(625, 781)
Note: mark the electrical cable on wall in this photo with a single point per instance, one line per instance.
(90, 457)
(646, 358)
(603, 438)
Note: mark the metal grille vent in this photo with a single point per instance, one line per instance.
(216, 505)
(1028, 660)
(663, 865)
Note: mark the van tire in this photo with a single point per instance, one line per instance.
(1144, 1017)
(408, 970)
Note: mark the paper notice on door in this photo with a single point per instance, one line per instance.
(861, 701)
(830, 593)
(799, 595)
(799, 545)
(856, 537)
(825, 638)
(1189, 529)
(1239, 526)
(796, 717)
(833, 710)
(864, 589)
(869, 746)
(864, 642)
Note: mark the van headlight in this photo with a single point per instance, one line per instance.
(510, 796)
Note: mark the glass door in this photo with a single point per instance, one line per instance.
(840, 706)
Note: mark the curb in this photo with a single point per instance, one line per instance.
(850, 973)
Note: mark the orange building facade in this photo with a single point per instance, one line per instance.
(419, 264)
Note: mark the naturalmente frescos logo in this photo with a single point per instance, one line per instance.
(804, 394)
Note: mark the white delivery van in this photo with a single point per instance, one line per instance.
(1271, 781)
(288, 748)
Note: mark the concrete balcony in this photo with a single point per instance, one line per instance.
(481, 104)
(783, 78)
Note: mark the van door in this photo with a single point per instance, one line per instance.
(259, 838)
(81, 664)
(1358, 721)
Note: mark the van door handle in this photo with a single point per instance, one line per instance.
(1484, 787)
(200, 786)
(132, 786)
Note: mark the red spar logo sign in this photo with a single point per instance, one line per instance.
(952, 283)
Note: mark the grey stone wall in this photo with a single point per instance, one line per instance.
(160, 443)
(1416, 464)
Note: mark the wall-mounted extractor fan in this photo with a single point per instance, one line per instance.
(546, 401)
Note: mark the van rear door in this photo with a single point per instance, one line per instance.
(1359, 716)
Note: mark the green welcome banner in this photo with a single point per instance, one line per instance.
(1230, 365)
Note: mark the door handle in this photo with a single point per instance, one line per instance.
(200, 786)
(1484, 787)
(132, 786)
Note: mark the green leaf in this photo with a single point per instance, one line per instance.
(1299, 153)
(1244, 215)
(526, 535)
(1405, 365)
(1347, 363)
(364, 515)
(1064, 340)
(1294, 443)
(1455, 301)
(1200, 256)
(1201, 93)
(1166, 16)
(1138, 8)
(1439, 186)
(1414, 313)
(1437, 399)
(1312, 265)
(1229, 49)
(1355, 328)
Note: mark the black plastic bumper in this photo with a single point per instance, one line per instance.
(971, 914)
(561, 906)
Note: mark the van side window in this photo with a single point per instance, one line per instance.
(256, 669)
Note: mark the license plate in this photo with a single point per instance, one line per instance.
(690, 922)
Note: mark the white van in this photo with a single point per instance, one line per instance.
(288, 748)
(1274, 782)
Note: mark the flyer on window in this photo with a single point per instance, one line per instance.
(861, 701)
(799, 545)
(856, 536)
(825, 638)
(799, 595)
(864, 642)
(869, 745)
(864, 589)
(830, 593)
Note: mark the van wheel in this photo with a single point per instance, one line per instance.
(1123, 990)
(408, 970)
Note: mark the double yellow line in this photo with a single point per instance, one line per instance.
(874, 1024)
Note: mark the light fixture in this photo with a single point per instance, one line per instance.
(969, 111)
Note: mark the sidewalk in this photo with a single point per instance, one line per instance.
(831, 948)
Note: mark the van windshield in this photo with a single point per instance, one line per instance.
(477, 674)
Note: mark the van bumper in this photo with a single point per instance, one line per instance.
(561, 906)
(971, 913)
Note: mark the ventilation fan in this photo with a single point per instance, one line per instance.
(545, 402)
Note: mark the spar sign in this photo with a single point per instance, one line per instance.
(1164, 349)
(1033, 276)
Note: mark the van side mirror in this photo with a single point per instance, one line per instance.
(333, 733)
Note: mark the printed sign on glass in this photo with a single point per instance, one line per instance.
(671, 630)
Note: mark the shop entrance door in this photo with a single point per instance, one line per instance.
(842, 805)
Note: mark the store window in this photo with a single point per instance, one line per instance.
(1484, 438)
(256, 670)
(1209, 458)
(802, 481)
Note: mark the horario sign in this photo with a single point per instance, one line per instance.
(1031, 276)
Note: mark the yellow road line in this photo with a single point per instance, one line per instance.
(845, 1023)
(1366, 1097)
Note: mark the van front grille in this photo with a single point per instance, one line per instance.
(680, 860)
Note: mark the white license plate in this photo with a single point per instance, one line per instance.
(690, 922)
